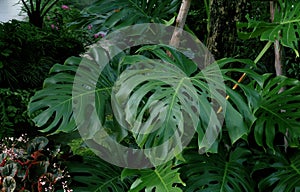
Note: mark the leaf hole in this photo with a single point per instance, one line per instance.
(297, 35)
(187, 95)
(232, 176)
(213, 172)
(214, 182)
(230, 186)
(195, 110)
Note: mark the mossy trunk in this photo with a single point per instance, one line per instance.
(222, 35)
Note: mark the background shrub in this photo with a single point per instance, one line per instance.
(13, 109)
(27, 52)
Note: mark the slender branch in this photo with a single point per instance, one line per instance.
(278, 65)
(263, 51)
(207, 9)
(38, 5)
(180, 22)
(32, 6)
(26, 7)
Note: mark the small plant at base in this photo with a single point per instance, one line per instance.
(35, 168)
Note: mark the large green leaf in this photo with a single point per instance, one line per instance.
(114, 14)
(277, 110)
(236, 111)
(139, 87)
(281, 173)
(162, 178)
(285, 28)
(165, 96)
(158, 103)
(51, 107)
(94, 174)
(217, 172)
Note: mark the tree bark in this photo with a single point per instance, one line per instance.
(278, 64)
(180, 22)
(222, 35)
(277, 46)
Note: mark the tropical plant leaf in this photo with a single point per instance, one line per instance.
(161, 178)
(285, 28)
(51, 107)
(155, 101)
(277, 110)
(217, 172)
(152, 83)
(107, 15)
(178, 59)
(281, 173)
(94, 174)
(236, 112)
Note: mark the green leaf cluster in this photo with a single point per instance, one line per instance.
(142, 95)
(285, 27)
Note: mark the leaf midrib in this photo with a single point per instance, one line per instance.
(161, 179)
(276, 115)
(295, 168)
(173, 99)
(80, 95)
(107, 182)
(224, 176)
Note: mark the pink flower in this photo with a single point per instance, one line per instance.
(52, 26)
(101, 33)
(65, 7)
(90, 27)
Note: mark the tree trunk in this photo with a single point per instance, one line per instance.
(36, 10)
(277, 46)
(36, 19)
(222, 35)
(278, 64)
(180, 22)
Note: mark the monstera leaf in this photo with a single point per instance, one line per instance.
(106, 15)
(283, 173)
(285, 28)
(277, 110)
(52, 107)
(176, 82)
(53, 102)
(217, 172)
(162, 178)
(94, 174)
(156, 100)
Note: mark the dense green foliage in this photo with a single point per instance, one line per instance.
(111, 15)
(27, 53)
(246, 142)
(14, 115)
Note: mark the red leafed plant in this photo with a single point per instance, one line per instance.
(31, 166)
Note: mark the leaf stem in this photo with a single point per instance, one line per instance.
(263, 51)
